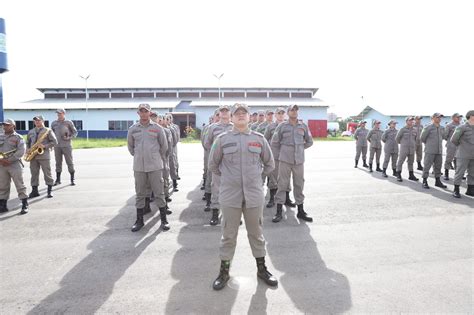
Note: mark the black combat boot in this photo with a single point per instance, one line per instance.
(278, 216)
(223, 276)
(34, 192)
(168, 199)
(378, 169)
(394, 172)
(168, 211)
(215, 217)
(446, 174)
(58, 179)
(164, 222)
(139, 223)
(263, 273)
(50, 189)
(384, 172)
(470, 190)
(399, 176)
(175, 185)
(204, 197)
(271, 202)
(456, 193)
(420, 167)
(303, 215)
(24, 206)
(208, 202)
(356, 162)
(3, 206)
(147, 208)
(72, 179)
(425, 183)
(152, 197)
(203, 184)
(438, 183)
(288, 201)
(365, 163)
(412, 176)
(370, 168)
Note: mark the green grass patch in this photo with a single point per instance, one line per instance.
(82, 143)
(190, 140)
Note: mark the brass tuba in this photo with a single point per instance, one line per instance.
(35, 148)
(6, 155)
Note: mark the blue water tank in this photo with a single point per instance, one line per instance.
(3, 47)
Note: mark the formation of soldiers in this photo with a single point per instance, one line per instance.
(39, 143)
(404, 144)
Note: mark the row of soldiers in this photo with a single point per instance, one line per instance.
(404, 144)
(39, 142)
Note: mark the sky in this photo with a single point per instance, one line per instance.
(401, 56)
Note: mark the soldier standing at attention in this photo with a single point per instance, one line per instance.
(450, 147)
(214, 130)
(253, 118)
(146, 140)
(375, 138)
(406, 137)
(463, 138)
(12, 149)
(206, 176)
(360, 135)
(175, 148)
(239, 157)
(432, 136)
(43, 160)
(390, 147)
(260, 119)
(64, 130)
(268, 120)
(291, 138)
(419, 146)
(173, 159)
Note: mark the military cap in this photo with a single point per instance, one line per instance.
(238, 106)
(269, 111)
(152, 114)
(469, 114)
(280, 110)
(456, 115)
(392, 121)
(377, 122)
(8, 121)
(409, 118)
(145, 106)
(38, 117)
(418, 117)
(292, 107)
(60, 110)
(224, 108)
(254, 113)
(437, 115)
(363, 122)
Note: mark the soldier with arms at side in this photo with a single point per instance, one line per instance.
(463, 138)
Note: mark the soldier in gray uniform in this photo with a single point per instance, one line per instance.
(12, 149)
(64, 130)
(268, 120)
(253, 118)
(206, 176)
(214, 130)
(432, 136)
(390, 147)
(419, 147)
(450, 147)
(173, 158)
(406, 137)
(42, 161)
(375, 139)
(260, 119)
(463, 138)
(145, 141)
(239, 157)
(291, 138)
(360, 135)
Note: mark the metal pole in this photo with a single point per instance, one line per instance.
(219, 86)
(85, 78)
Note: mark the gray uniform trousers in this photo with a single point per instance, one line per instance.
(387, 157)
(401, 159)
(419, 152)
(359, 150)
(206, 162)
(12, 172)
(273, 178)
(172, 163)
(377, 152)
(284, 174)
(208, 187)
(216, 182)
(435, 160)
(58, 155)
(230, 228)
(461, 166)
(152, 180)
(45, 165)
(450, 153)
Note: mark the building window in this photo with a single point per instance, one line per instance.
(77, 124)
(257, 94)
(76, 95)
(121, 95)
(301, 95)
(31, 124)
(120, 124)
(54, 95)
(143, 94)
(188, 95)
(234, 94)
(20, 125)
(98, 95)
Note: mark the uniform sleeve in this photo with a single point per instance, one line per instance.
(163, 141)
(73, 130)
(208, 138)
(268, 133)
(267, 158)
(215, 157)
(371, 132)
(424, 134)
(20, 150)
(176, 136)
(384, 136)
(52, 140)
(277, 137)
(308, 139)
(399, 136)
(130, 142)
(456, 137)
(356, 134)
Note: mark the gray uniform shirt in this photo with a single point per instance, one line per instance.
(169, 140)
(213, 131)
(240, 158)
(449, 131)
(146, 143)
(432, 136)
(419, 131)
(375, 138)
(388, 138)
(262, 127)
(49, 142)
(12, 142)
(406, 137)
(292, 141)
(269, 131)
(254, 126)
(64, 129)
(361, 137)
(463, 138)
(204, 134)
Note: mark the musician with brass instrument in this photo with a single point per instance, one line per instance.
(12, 148)
(39, 142)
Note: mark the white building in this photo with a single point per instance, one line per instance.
(109, 112)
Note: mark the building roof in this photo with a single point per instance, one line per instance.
(415, 112)
(312, 102)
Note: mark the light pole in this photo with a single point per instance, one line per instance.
(219, 77)
(85, 78)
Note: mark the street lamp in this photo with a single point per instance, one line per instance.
(85, 78)
(219, 77)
